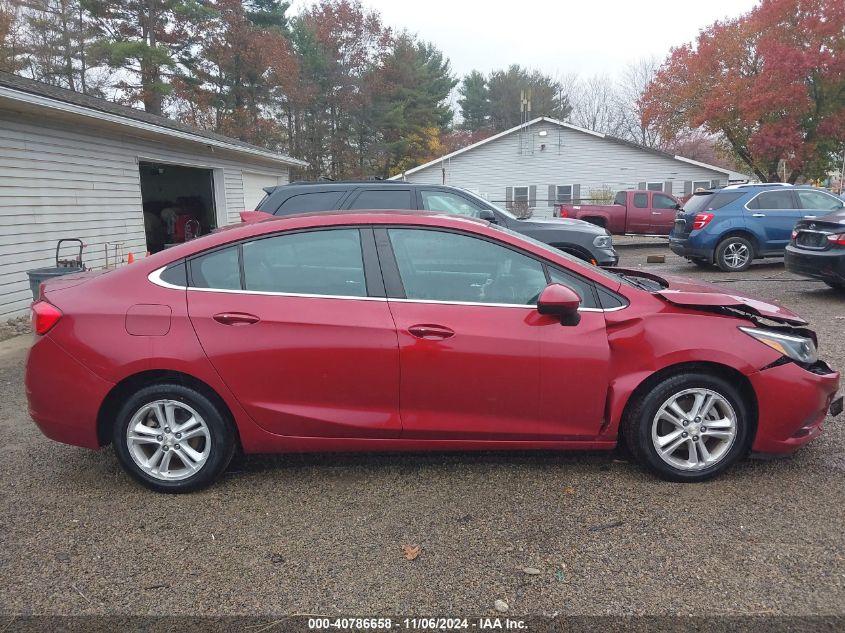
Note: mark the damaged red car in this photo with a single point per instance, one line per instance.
(391, 331)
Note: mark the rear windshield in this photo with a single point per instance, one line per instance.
(710, 201)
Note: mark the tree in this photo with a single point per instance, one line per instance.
(10, 42)
(596, 105)
(632, 85)
(148, 41)
(506, 86)
(474, 102)
(771, 83)
(413, 110)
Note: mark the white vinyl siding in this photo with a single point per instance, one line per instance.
(59, 180)
(571, 156)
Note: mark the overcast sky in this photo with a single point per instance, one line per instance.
(557, 37)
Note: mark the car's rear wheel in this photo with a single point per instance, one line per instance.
(172, 438)
(734, 254)
(689, 427)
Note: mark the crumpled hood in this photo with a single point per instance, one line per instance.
(693, 294)
(686, 292)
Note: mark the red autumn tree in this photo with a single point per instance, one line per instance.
(770, 83)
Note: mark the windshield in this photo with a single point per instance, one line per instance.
(487, 203)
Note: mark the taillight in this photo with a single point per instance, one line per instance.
(701, 220)
(562, 213)
(838, 239)
(44, 316)
(794, 235)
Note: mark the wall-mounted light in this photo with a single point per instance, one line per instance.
(542, 133)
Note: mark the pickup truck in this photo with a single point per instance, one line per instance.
(639, 212)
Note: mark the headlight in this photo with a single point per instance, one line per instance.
(603, 241)
(798, 348)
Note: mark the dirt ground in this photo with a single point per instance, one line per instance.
(324, 533)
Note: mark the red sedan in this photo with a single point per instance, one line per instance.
(398, 331)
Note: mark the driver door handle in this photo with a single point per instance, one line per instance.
(809, 217)
(236, 318)
(431, 332)
(758, 215)
(655, 212)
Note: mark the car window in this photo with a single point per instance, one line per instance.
(581, 287)
(773, 201)
(445, 266)
(663, 202)
(818, 200)
(448, 203)
(311, 201)
(641, 200)
(621, 198)
(217, 269)
(326, 262)
(383, 199)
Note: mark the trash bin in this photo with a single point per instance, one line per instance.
(62, 267)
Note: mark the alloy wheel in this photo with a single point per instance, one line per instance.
(736, 254)
(168, 440)
(694, 429)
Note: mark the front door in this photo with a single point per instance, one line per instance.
(773, 214)
(639, 214)
(299, 336)
(477, 359)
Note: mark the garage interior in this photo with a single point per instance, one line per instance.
(178, 203)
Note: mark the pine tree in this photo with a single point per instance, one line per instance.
(474, 102)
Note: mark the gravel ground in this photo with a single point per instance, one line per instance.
(324, 533)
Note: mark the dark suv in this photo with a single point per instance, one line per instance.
(581, 239)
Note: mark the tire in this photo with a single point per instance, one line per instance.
(198, 454)
(645, 426)
(701, 263)
(734, 254)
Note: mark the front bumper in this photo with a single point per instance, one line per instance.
(64, 396)
(605, 256)
(792, 404)
(825, 265)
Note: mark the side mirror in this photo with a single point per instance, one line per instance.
(560, 301)
(488, 215)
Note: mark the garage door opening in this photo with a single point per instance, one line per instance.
(178, 203)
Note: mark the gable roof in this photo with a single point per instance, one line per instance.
(29, 91)
(542, 119)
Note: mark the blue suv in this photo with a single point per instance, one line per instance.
(732, 226)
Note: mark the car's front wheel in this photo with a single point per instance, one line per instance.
(689, 427)
(172, 438)
(734, 254)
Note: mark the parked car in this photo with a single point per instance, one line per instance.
(407, 331)
(731, 227)
(583, 240)
(636, 212)
(817, 249)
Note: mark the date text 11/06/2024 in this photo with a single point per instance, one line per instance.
(386, 624)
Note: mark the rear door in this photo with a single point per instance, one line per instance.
(298, 327)
(772, 216)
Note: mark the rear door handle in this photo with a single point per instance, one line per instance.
(655, 212)
(758, 215)
(809, 217)
(431, 332)
(236, 318)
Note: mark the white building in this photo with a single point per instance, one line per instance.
(546, 162)
(74, 166)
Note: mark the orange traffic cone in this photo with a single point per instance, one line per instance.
(130, 258)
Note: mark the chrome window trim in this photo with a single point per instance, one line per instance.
(155, 278)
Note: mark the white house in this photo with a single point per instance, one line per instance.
(74, 166)
(546, 162)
